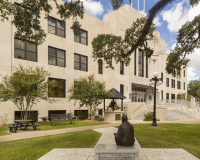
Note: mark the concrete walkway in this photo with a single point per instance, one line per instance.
(32, 134)
(107, 137)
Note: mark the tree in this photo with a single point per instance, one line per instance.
(89, 92)
(28, 29)
(25, 88)
(194, 89)
(181, 96)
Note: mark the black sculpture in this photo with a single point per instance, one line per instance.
(113, 105)
(125, 134)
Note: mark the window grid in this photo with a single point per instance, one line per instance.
(59, 31)
(140, 64)
(184, 73)
(167, 82)
(82, 37)
(57, 57)
(79, 63)
(59, 89)
(178, 85)
(24, 50)
(135, 62)
(162, 77)
(122, 89)
(184, 85)
(173, 83)
(147, 67)
(167, 95)
(122, 68)
(100, 67)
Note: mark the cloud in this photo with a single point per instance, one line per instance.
(109, 8)
(179, 14)
(142, 11)
(93, 8)
(157, 22)
(195, 59)
(191, 74)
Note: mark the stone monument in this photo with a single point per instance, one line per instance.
(124, 149)
(125, 134)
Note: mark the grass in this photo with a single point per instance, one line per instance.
(184, 136)
(66, 124)
(34, 148)
(59, 125)
(3, 129)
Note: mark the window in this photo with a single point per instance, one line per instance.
(147, 63)
(59, 90)
(135, 62)
(81, 37)
(167, 82)
(140, 64)
(56, 57)
(162, 77)
(56, 27)
(184, 85)
(100, 67)
(122, 89)
(161, 95)
(179, 72)
(172, 96)
(167, 95)
(173, 83)
(121, 67)
(24, 50)
(80, 62)
(178, 85)
(184, 73)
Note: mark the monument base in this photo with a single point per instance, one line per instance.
(154, 127)
(115, 152)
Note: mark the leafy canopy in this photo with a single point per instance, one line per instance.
(88, 91)
(194, 89)
(110, 47)
(26, 87)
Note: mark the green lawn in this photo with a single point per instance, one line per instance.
(59, 125)
(186, 136)
(66, 124)
(34, 148)
(3, 129)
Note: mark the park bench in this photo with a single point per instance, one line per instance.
(13, 128)
(35, 125)
(61, 117)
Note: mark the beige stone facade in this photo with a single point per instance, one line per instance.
(115, 22)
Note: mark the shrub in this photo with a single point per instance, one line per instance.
(99, 119)
(82, 115)
(44, 119)
(149, 116)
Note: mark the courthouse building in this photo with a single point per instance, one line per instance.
(67, 57)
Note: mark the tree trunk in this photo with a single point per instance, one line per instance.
(92, 112)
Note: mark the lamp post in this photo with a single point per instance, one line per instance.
(155, 81)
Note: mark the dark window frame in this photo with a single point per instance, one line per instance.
(135, 62)
(100, 67)
(79, 32)
(167, 95)
(172, 83)
(122, 89)
(184, 73)
(122, 68)
(56, 87)
(178, 84)
(167, 82)
(162, 77)
(142, 61)
(184, 85)
(173, 96)
(81, 63)
(57, 57)
(162, 95)
(56, 28)
(147, 67)
(25, 51)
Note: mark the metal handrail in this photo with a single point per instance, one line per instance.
(137, 108)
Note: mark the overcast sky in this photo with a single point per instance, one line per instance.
(168, 22)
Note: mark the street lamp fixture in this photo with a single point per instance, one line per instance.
(155, 81)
